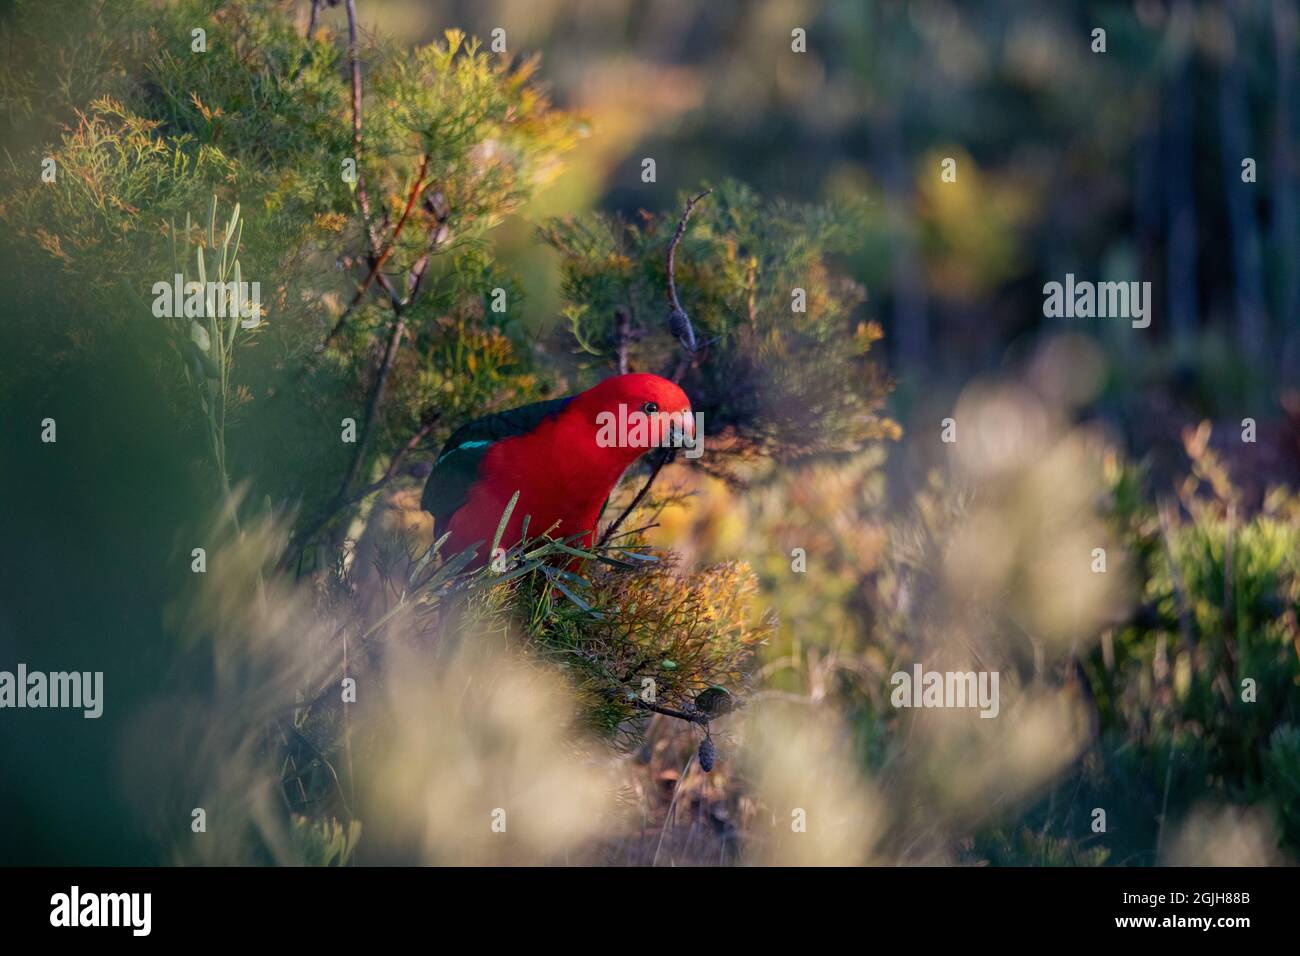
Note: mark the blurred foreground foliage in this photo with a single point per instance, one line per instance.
(1159, 697)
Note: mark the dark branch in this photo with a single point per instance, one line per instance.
(311, 22)
(377, 261)
(694, 717)
(395, 462)
(664, 457)
(679, 323)
(373, 403)
(340, 501)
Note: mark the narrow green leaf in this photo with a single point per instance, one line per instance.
(457, 563)
(234, 317)
(570, 595)
(501, 527)
(234, 221)
(426, 558)
(651, 558)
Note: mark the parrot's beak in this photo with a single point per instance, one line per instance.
(688, 423)
(681, 429)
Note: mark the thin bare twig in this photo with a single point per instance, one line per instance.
(373, 403)
(673, 301)
(679, 323)
(1164, 801)
(354, 61)
(339, 503)
(377, 261)
(378, 255)
(623, 335)
(671, 815)
(663, 459)
(644, 527)
(693, 717)
(395, 462)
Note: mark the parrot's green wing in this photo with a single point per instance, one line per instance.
(461, 457)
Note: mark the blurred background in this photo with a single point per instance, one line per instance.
(1123, 165)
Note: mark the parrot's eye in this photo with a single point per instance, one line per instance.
(650, 408)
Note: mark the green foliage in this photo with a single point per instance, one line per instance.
(263, 118)
(1219, 607)
(487, 128)
(780, 382)
(652, 630)
(207, 348)
(1282, 779)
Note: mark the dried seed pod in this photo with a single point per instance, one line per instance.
(680, 326)
(708, 754)
(715, 701)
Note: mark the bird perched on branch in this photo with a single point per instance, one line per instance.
(562, 456)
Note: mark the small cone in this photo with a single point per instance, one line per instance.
(708, 754)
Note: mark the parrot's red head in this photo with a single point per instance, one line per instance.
(619, 401)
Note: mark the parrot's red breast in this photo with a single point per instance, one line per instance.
(558, 455)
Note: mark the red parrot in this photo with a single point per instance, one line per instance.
(555, 454)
